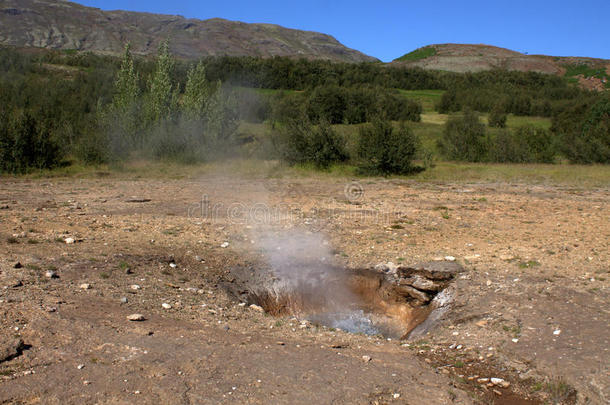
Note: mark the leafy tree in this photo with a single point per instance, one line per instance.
(25, 144)
(464, 138)
(301, 142)
(126, 89)
(162, 97)
(385, 150)
(584, 131)
(497, 117)
(197, 92)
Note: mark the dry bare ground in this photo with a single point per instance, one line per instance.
(531, 307)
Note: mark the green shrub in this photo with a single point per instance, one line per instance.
(449, 102)
(26, 144)
(464, 138)
(584, 131)
(385, 150)
(497, 118)
(507, 147)
(301, 142)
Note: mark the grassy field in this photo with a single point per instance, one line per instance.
(427, 98)
(576, 177)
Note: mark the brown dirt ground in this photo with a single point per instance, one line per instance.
(536, 258)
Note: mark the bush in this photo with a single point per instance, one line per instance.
(497, 118)
(584, 131)
(301, 142)
(464, 138)
(25, 144)
(527, 144)
(384, 150)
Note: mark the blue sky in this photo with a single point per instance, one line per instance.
(388, 29)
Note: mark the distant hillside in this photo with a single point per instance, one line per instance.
(66, 25)
(589, 72)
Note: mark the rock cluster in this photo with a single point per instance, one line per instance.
(422, 282)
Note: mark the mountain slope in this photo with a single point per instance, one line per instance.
(66, 25)
(589, 72)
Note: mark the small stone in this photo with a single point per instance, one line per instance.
(257, 308)
(166, 305)
(450, 258)
(500, 382)
(69, 241)
(482, 380)
(366, 359)
(481, 323)
(86, 382)
(488, 283)
(51, 274)
(498, 393)
(557, 332)
(136, 317)
(135, 287)
(224, 245)
(85, 286)
(173, 265)
(396, 395)
(515, 340)
(124, 300)
(80, 366)
(198, 259)
(137, 392)
(18, 265)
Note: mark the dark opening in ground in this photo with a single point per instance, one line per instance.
(388, 300)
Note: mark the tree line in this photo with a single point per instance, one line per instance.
(57, 107)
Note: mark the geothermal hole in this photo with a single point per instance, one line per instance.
(387, 301)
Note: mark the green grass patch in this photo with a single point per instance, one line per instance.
(427, 98)
(421, 53)
(586, 71)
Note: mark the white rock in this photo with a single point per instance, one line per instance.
(515, 340)
(500, 382)
(85, 286)
(488, 283)
(136, 317)
(557, 332)
(366, 359)
(257, 308)
(396, 396)
(135, 287)
(166, 305)
(69, 241)
(224, 245)
(173, 265)
(51, 274)
(450, 258)
(80, 366)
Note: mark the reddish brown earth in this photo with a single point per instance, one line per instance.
(479, 57)
(536, 260)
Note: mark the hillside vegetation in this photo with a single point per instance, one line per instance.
(63, 108)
